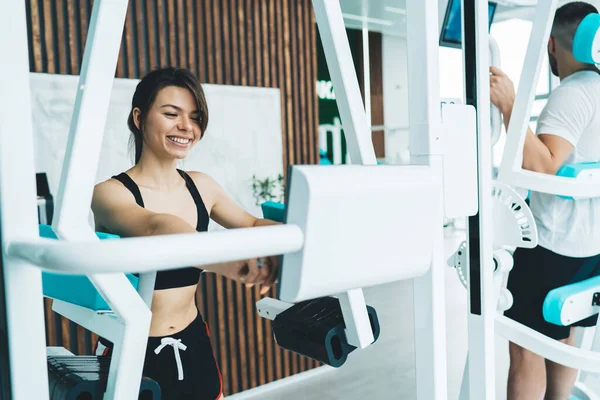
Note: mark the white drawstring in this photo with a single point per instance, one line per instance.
(177, 345)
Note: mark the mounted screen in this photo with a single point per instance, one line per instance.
(451, 32)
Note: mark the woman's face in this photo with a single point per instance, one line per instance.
(172, 126)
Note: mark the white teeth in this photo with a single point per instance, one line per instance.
(179, 140)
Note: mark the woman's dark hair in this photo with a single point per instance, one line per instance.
(567, 20)
(145, 95)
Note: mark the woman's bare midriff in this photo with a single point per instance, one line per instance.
(172, 310)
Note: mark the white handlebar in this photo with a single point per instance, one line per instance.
(147, 254)
(496, 116)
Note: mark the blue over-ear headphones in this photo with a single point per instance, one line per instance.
(586, 43)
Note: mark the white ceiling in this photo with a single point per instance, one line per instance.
(386, 16)
(389, 16)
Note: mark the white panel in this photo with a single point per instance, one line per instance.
(363, 226)
(460, 160)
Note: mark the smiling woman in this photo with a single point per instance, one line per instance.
(255, 57)
(168, 117)
(171, 101)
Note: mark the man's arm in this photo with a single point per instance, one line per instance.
(544, 153)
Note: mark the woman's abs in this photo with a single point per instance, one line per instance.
(173, 310)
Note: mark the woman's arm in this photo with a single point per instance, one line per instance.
(227, 213)
(223, 209)
(115, 209)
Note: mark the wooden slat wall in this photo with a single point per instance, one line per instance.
(267, 43)
(376, 82)
(376, 74)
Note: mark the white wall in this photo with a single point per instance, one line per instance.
(243, 136)
(395, 91)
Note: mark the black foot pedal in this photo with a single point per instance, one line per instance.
(84, 377)
(315, 329)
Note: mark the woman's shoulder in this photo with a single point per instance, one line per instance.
(115, 182)
(209, 188)
(110, 187)
(201, 178)
(109, 184)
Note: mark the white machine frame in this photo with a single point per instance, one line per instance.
(586, 359)
(24, 253)
(479, 379)
(511, 171)
(511, 175)
(428, 147)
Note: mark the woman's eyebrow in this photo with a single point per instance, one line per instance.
(178, 108)
(171, 105)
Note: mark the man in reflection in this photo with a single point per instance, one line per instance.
(568, 132)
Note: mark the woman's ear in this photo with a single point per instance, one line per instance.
(137, 113)
(551, 45)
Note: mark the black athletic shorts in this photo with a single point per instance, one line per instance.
(196, 376)
(535, 273)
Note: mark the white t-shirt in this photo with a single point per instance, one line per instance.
(571, 227)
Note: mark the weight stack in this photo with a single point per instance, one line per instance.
(316, 329)
(84, 377)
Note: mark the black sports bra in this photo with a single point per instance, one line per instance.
(178, 277)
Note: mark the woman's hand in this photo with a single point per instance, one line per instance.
(502, 91)
(252, 272)
(270, 270)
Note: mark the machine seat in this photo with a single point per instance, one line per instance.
(76, 289)
(571, 303)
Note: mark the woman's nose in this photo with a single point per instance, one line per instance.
(185, 124)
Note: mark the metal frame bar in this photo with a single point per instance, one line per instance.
(560, 353)
(425, 137)
(89, 119)
(5, 387)
(511, 171)
(366, 50)
(75, 194)
(163, 252)
(482, 310)
(357, 130)
(18, 214)
(426, 147)
(331, 26)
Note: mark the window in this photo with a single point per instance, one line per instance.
(513, 38)
(451, 73)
